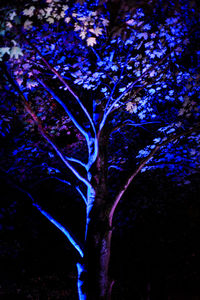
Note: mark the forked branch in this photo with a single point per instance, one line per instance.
(59, 76)
(112, 107)
(42, 130)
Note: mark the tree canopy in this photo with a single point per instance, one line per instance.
(132, 67)
(102, 90)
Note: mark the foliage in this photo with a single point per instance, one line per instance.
(115, 65)
(120, 88)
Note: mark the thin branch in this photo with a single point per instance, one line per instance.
(110, 109)
(110, 97)
(53, 70)
(195, 170)
(91, 141)
(57, 150)
(134, 94)
(142, 164)
(132, 123)
(81, 193)
(115, 167)
(69, 236)
(61, 228)
(97, 55)
(76, 161)
(43, 132)
(130, 87)
(65, 182)
(73, 119)
(115, 85)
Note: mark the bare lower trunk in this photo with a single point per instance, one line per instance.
(94, 282)
(98, 284)
(94, 278)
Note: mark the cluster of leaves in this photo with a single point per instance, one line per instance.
(133, 67)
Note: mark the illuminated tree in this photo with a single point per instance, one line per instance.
(109, 74)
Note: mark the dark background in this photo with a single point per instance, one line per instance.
(155, 245)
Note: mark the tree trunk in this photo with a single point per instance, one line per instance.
(93, 272)
(97, 257)
(96, 282)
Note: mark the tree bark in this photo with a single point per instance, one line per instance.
(97, 257)
(98, 237)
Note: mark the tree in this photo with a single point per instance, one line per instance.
(79, 66)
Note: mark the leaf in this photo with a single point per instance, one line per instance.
(16, 52)
(29, 12)
(31, 83)
(153, 35)
(62, 15)
(97, 31)
(77, 27)
(12, 15)
(122, 89)
(83, 34)
(50, 20)
(114, 68)
(103, 90)
(152, 73)
(91, 41)
(131, 22)
(67, 20)
(19, 80)
(131, 107)
(143, 35)
(151, 91)
(28, 24)
(4, 50)
(147, 27)
(186, 41)
(48, 11)
(65, 7)
(105, 22)
(9, 25)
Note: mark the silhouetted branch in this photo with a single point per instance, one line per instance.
(143, 163)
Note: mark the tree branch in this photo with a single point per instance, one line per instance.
(43, 132)
(75, 160)
(134, 94)
(111, 108)
(66, 232)
(53, 70)
(65, 182)
(114, 87)
(61, 228)
(73, 119)
(91, 141)
(142, 164)
(57, 150)
(132, 123)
